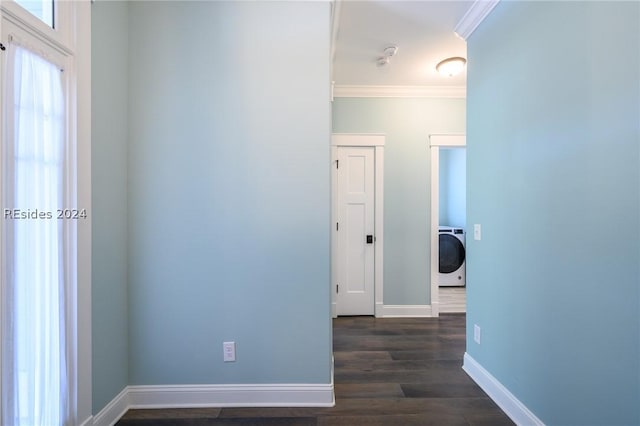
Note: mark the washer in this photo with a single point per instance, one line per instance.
(452, 269)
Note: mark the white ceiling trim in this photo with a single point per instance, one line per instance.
(344, 91)
(478, 11)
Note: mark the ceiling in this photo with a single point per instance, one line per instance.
(423, 31)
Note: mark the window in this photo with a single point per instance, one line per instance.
(42, 9)
(37, 282)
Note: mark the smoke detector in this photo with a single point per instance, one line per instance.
(387, 53)
(390, 51)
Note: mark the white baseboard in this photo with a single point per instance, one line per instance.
(272, 395)
(87, 422)
(406, 311)
(511, 405)
(192, 396)
(115, 409)
(395, 311)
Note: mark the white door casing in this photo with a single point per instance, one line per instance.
(357, 200)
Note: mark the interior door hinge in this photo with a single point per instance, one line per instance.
(337, 288)
(337, 164)
(337, 226)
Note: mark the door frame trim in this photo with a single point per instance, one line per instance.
(437, 141)
(375, 141)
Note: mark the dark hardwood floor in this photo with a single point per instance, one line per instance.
(387, 372)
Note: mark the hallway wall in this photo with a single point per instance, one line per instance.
(554, 178)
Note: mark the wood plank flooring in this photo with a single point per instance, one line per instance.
(453, 300)
(387, 372)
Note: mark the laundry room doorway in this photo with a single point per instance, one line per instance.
(448, 223)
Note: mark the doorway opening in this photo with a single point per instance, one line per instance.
(448, 223)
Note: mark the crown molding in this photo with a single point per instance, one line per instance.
(478, 11)
(346, 91)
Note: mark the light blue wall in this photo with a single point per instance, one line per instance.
(553, 151)
(109, 200)
(453, 187)
(407, 124)
(229, 189)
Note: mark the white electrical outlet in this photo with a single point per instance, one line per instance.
(477, 232)
(229, 350)
(476, 333)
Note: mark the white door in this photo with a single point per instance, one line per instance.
(355, 230)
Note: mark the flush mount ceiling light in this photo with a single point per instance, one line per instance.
(387, 53)
(451, 66)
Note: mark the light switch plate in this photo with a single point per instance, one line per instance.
(477, 232)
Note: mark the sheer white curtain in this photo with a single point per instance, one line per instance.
(36, 337)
